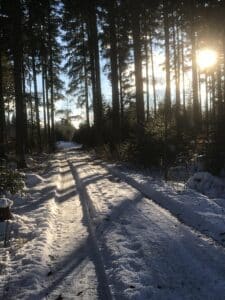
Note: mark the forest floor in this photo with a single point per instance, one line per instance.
(86, 229)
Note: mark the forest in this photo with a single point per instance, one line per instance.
(164, 62)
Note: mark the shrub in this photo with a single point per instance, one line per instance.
(10, 181)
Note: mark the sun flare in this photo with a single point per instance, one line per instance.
(206, 58)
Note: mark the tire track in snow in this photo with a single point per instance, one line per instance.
(200, 251)
(71, 272)
(103, 286)
(132, 183)
(135, 185)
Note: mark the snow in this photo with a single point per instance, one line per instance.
(25, 262)
(207, 184)
(85, 229)
(196, 210)
(5, 202)
(33, 179)
(67, 145)
(148, 253)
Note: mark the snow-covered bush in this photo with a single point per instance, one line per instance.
(207, 184)
(197, 164)
(10, 181)
(5, 202)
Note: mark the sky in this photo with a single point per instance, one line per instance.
(206, 59)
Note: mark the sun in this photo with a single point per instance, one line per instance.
(206, 58)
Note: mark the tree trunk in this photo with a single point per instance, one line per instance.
(220, 109)
(92, 68)
(36, 103)
(138, 66)
(48, 107)
(207, 106)
(95, 69)
(52, 106)
(85, 77)
(44, 101)
(196, 110)
(97, 73)
(176, 53)
(121, 95)
(31, 144)
(147, 77)
(114, 72)
(167, 63)
(224, 65)
(183, 73)
(17, 59)
(213, 97)
(50, 69)
(26, 143)
(168, 85)
(2, 113)
(153, 75)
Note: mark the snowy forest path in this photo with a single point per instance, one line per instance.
(91, 234)
(72, 272)
(147, 252)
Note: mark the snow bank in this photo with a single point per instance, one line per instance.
(194, 209)
(207, 184)
(5, 202)
(147, 253)
(67, 145)
(31, 234)
(33, 179)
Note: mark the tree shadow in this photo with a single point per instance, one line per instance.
(89, 248)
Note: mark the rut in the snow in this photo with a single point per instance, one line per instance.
(103, 286)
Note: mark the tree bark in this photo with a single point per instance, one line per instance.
(31, 144)
(176, 53)
(183, 74)
(167, 63)
(25, 110)
(95, 69)
(114, 72)
(47, 105)
(136, 31)
(121, 95)
(2, 113)
(153, 75)
(196, 110)
(39, 147)
(17, 59)
(167, 107)
(44, 101)
(85, 76)
(51, 81)
(147, 77)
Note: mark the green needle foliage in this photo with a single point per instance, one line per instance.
(10, 181)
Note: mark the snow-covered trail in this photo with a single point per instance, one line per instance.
(147, 252)
(74, 267)
(102, 238)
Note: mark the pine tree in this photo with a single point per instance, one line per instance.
(15, 14)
